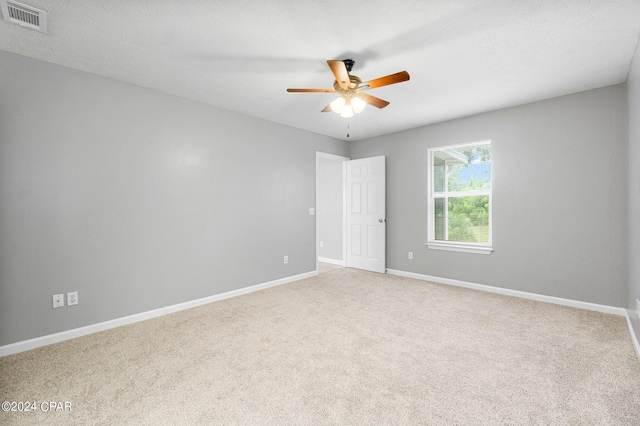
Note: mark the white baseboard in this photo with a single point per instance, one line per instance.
(515, 293)
(636, 345)
(37, 342)
(332, 261)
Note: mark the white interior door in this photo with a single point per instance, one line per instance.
(366, 220)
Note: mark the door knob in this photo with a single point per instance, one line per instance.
(382, 220)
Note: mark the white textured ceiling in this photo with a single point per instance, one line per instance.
(464, 56)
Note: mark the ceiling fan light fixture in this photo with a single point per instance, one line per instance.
(358, 104)
(347, 105)
(347, 111)
(338, 105)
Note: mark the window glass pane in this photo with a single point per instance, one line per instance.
(465, 168)
(440, 231)
(439, 173)
(468, 219)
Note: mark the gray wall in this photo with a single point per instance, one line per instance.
(330, 209)
(138, 199)
(633, 98)
(560, 198)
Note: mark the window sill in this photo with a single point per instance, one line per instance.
(460, 248)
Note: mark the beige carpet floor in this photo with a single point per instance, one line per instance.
(345, 347)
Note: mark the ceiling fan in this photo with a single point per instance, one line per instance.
(351, 89)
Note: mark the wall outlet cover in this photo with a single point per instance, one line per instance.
(72, 298)
(58, 300)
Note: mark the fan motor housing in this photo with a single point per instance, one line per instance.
(355, 82)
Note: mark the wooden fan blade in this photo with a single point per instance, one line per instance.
(398, 77)
(372, 100)
(312, 90)
(327, 108)
(339, 69)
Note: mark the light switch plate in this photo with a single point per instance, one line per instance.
(312, 211)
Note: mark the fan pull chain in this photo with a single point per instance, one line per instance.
(347, 129)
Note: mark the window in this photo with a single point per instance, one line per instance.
(460, 198)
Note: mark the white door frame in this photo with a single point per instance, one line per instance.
(344, 205)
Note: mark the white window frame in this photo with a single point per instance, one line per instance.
(459, 246)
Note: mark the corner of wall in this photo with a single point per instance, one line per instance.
(633, 188)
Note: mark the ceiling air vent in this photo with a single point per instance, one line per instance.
(23, 15)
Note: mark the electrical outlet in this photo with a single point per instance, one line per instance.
(58, 300)
(312, 211)
(410, 255)
(72, 298)
(321, 244)
(286, 260)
